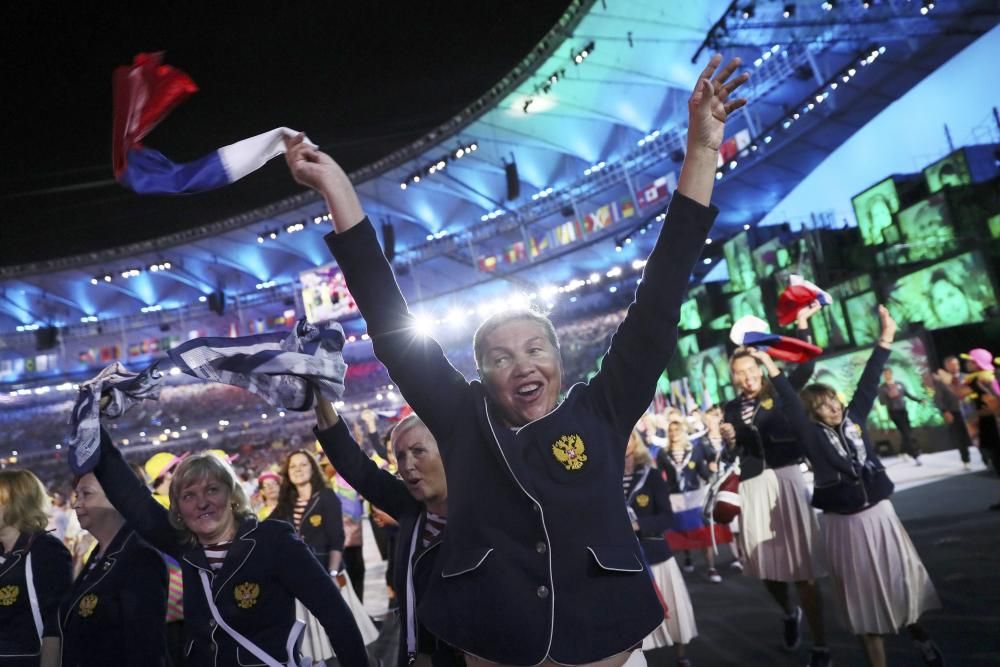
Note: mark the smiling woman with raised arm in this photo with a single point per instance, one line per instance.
(539, 563)
(241, 576)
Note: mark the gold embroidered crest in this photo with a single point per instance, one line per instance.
(691, 465)
(642, 500)
(315, 520)
(246, 594)
(767, 403)
(569, 451)
(8, 595)
(88, 603)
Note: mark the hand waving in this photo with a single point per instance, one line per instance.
(309, 166)
(710, 104)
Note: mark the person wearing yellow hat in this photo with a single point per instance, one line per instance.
(160, 469)
(269, 483)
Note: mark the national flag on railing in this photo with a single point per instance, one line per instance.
(144, 94)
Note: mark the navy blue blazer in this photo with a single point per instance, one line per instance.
(115, 612)
(650, 500)
(844, 483)
(387, 492)
(769, 440)
(52, 570)
(267, 567)
(539, 559)
(693, 471)
(322, 526)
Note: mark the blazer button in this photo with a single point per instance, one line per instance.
(543, 592)
(541, 547)
(212, 624)
(534, 508)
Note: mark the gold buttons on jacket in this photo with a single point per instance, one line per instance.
(541, 547)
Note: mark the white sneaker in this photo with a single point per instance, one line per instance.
(966, 466)
(736, 565)
(713, 576)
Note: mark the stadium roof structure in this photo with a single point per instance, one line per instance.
(592, 117)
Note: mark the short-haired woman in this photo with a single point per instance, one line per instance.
(539, 563)
(878, 580)
(115, 612)
(241, 576)
(648, 498)
(29, 596)
(418, 502)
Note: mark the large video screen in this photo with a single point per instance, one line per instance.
(687, 345)
(926, 230)
(874, 209)
(863, 318)
(708, 376)
(739, 261)
(951, 171)
(325, 295)
(829, 326)
(690, 317)
(770, 256)
(949, 293)
(909, 364)
(750, 302)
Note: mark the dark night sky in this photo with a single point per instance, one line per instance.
(362, 78)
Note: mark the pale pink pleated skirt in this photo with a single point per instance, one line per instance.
(879, 581)
(779, 533)
(679, 627)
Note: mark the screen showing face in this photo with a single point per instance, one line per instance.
(690, 317)
(909, 365)
(769, 257)
(750, 302)
(949, 293)
(687, 345)
(952, 171)
(708, 376)
(926, 229)
(874, 209)
(862, 318)
(739, 261)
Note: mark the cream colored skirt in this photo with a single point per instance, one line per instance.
(679, 627)
(315, 642)
(878, 579)
(779, 533)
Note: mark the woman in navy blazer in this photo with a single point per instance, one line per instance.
(29, 605)
(421, 492)
(265, 566)
(116, 610)
(536, 522)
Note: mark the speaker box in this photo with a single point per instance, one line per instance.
(513, 182)
(47, 338)
(389, 241)
(217, 302)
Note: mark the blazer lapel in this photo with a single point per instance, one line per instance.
(239, 551)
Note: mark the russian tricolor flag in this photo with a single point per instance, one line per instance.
(144, 93)
(799, 294)
(754, 332)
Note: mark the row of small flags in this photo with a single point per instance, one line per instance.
(572, 231)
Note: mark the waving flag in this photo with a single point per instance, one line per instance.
(799, 294)
(753, 331)
(144, 93)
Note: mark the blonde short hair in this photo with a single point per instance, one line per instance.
(25, 502)
(499, 319)
(199, 467)
(409, 422)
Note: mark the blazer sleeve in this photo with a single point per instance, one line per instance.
(333, 519)
(134, 501)
(52, 566)
(800, 375)
(144, 603)
(868, 386)
(911, 396)
(303, 576)
(646, 338)
(804, 429)
(377, 486)
(662, 519)
(416, 364)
